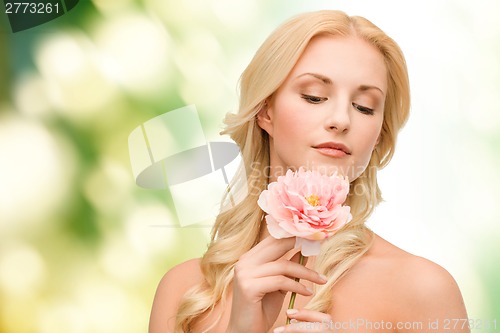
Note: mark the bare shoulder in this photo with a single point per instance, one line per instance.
(415, 277)
(170, 290)
(427, 279)
(422, 289)
(186, 273)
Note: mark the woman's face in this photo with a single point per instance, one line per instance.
(328, 113)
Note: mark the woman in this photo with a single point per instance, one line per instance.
(329, 92)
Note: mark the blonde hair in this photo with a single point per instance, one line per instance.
(237, 228)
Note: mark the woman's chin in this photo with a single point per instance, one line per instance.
(326, 169)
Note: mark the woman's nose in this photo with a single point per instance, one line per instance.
(338, 118)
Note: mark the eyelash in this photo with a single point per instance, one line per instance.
(317, 100)
(314, 99)
(363, 109)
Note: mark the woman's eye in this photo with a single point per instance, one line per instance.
(313, 99)
(363, 109)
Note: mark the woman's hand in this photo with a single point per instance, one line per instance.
(307, 321)
(261, 280)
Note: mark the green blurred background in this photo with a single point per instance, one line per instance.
(82, 248)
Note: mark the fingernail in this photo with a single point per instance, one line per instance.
(309, 290)
(279, 329)
(291, 311)
(323, 277)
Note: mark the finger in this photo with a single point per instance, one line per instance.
(296, 258)
(269, 249)
(309, 316)
(271, 284)
(289, 269)
(311, 321)
(304, 327)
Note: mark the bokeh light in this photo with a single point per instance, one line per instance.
(31, 96)
(23, 269)
(34, 174)
(69, 64)
(135, 51)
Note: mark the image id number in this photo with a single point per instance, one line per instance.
(31, 7)
(472, 324)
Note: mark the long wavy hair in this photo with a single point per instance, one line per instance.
(237, 228)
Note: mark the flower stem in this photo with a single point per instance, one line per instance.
(294, 294)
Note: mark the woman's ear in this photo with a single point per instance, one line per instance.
(265, 118)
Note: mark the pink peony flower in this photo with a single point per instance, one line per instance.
(306, 205)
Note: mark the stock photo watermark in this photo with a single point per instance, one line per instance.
(171, 152)
(362, 324)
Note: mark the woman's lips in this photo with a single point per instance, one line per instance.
(332, 152)
(333, 149)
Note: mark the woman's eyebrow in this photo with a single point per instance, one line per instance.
(365, 87)
(328, 81)
(324, 79)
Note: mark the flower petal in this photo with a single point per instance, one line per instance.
(308, 247)
(275, 230)
(291, 213)
(262, 202)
